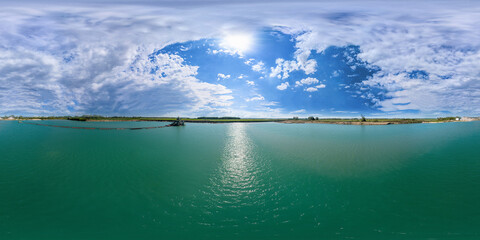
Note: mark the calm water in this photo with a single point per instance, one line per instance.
(240, 181)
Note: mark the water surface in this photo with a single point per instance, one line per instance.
(240, 181)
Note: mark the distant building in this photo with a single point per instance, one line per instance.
(10, 118)
(457, 119)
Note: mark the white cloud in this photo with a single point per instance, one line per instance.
(241, 76)
(260, 66)
(309, 81)
(306, 81)
(336, 73)
(173, 86)
(249, 61)
(399, 40)
(283, 86)
(270, 104)
(256, 98)
(222, 76)
(284, 67)
(251, 83)
(299, 111)
(314, 89)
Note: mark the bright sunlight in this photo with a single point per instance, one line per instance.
(239, 42)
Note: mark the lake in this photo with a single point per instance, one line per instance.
(240, 181)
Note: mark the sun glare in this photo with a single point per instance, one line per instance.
(237, 42)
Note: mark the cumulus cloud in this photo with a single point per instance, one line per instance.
(242, 76)
(284, 67)
(260, 66)
(222, 76)
(62, 60)
(251, 83)
(309, 81)
(314, 89)
(172, 85)
(306, 81)
(68, 74)
(283, 86)
(399, 41)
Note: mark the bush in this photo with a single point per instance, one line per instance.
(446, 118)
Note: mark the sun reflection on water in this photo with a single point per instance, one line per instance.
(235, 181)
(237, 188)
(237, 174)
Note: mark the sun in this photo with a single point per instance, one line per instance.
(238, 42)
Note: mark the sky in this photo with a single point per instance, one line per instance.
(240, 58)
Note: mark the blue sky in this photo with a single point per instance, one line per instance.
(245, 59)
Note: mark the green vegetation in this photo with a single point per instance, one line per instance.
(77, 119)
(447, 118)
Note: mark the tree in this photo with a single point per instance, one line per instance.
(363, 118)
(295, 118)
(311, 118)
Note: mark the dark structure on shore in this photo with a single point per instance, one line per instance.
(178, 122)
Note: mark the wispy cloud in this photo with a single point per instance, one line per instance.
(299, 111)
(258, 97)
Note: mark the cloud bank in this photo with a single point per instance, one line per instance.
(97, 58)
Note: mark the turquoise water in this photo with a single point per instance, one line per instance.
(240, 181)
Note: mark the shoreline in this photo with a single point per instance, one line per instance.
(367, 123)
(189, 121)
(341, 122)
(372, 123)
(337, 121)
(363, 123)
